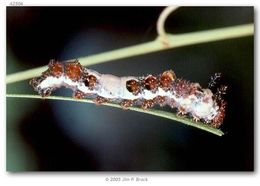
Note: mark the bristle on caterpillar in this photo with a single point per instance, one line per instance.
(164, 89)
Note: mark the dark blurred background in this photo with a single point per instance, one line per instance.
(52, 135)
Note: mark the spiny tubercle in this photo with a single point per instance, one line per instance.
(165, 89)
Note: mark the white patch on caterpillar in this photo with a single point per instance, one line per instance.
(51, 81)
(110, 86)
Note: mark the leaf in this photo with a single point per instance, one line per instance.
(159, 113)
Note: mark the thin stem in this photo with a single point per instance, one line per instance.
(145, 48)
(154, 112)
(161, 21)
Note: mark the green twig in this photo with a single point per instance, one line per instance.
(154, 112)
(173, 41)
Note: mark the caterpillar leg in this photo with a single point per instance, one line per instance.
(195, 118)
(148, 104)
(78, 94)
(181, 111)
(126, 103)
(99, 100)
(161, 100)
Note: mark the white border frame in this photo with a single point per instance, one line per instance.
(154, 178)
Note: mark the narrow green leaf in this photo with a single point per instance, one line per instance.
(159, 113)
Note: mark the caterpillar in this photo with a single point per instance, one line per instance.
(186, 97)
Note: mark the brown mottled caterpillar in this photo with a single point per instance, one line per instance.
(165, 89)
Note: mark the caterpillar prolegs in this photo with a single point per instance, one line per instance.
(186, 97)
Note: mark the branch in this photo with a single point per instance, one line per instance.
(154, 112)
(161, 21)
(173, 41)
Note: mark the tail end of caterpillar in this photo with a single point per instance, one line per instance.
(219, 118)
(220, 91)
